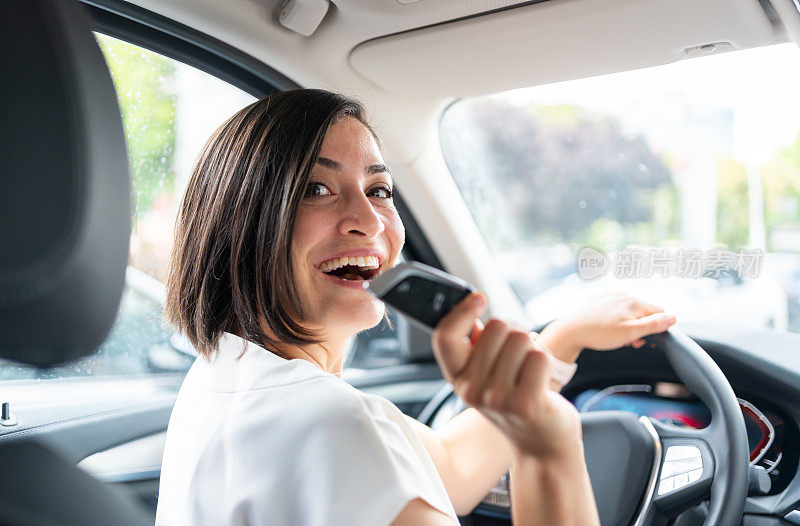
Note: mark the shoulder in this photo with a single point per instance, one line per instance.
(341, 408)
(329, 417)
(368, 443)
(319, 402)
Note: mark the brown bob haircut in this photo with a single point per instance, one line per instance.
(231, 266)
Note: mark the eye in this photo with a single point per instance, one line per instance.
(384, 192)
(316, 190)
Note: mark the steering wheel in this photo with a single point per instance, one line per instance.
(645, 473)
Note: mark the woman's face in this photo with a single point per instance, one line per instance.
(347, 230)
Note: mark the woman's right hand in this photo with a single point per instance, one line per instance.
(503, 374)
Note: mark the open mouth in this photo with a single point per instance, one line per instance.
(352, 268)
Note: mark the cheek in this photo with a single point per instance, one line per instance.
(310, 229)
(396, 234)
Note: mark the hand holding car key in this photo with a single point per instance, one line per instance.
(500, 370)
(505, 374)
(496, 369)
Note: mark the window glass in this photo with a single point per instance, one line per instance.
(678, 183)
(169, 110)
(378, 346)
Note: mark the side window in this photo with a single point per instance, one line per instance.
(378, 346)
(169, 110)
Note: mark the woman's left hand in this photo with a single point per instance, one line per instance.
(607, 322)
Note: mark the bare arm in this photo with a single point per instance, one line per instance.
(543, 491)
(553, 490)
(469, 453)
(505, 376)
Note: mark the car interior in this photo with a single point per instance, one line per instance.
(106, 104)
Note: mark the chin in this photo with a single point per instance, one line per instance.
(361, 318)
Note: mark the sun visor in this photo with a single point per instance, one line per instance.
(557, 40)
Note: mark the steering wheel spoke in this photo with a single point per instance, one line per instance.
(686, 469)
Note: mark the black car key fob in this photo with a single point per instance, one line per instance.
(423, 294)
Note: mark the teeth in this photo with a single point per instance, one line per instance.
(365, 262)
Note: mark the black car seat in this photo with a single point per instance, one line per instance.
(64, 233)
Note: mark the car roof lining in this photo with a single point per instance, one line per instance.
(588, 37)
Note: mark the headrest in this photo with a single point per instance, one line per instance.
(65, 207)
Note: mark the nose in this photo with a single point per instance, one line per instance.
(359, 217)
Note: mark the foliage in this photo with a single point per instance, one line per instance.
(732, 204)
(144, 79)
(556, 173)
(781, 181)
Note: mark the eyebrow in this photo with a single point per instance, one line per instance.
(335, 165)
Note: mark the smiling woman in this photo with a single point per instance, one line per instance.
(288, 211)
(234, 254)
(347, 223)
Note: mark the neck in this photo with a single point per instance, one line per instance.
(328, 355)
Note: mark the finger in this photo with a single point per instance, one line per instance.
(477, 330)
(637, 344)
(507, 368)
(534, 378)
(482, 361)
(652, 324)
(450, 341)
(642, 308)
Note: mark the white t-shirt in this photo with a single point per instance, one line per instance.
(263, 440)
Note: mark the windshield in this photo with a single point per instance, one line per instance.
(678, 183)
